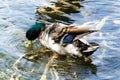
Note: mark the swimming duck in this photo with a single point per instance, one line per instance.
(63, 39)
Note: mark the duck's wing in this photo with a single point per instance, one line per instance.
(77, 30)
(83, 31)
(57, 31)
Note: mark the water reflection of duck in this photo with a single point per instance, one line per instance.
(59, 12)
(63, 67)
(63, 39)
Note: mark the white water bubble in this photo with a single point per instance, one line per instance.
(116, 22)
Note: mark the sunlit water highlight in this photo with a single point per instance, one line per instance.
(16, 16)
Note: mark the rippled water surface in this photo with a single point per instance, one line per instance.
(17, 15)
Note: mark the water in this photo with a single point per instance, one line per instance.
(17, 16)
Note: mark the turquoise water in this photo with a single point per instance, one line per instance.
(17, 16)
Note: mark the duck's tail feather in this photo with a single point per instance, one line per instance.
(86, 48)
(91, 49)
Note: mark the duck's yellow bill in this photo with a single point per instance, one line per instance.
(28, 43)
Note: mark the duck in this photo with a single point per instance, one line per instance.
(63, 39)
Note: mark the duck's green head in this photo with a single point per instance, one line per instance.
(34, 31)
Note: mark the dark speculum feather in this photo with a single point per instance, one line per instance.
(69, 38)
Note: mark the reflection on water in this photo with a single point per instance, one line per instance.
(59, 11)
(34, 62)
(40, 63)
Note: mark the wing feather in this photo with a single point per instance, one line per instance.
(82, 30)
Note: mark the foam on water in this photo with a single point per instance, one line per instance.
(116, 22)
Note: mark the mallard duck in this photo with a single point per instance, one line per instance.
(63, 39)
